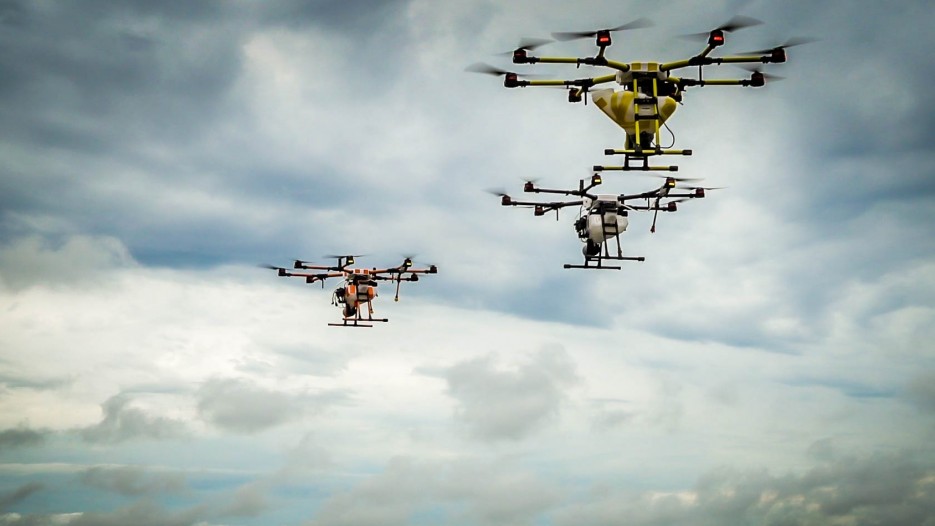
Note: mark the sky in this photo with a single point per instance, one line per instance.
(771, 362)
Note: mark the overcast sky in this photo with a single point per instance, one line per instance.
(771, 362)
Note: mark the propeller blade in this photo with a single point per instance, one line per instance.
(701, 187)
(529, 44)
(679, 179)
(740, 22)
(792, 42)
(766, 76)
(487, 69)
(639, 23)
(734, 24)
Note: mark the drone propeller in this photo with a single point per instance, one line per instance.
(487, 69)
(736, 23)
(505, 198)
(758, 72)
(528, 44)
(792, 42)
(639, 23)
(701, 187)
(678, 179)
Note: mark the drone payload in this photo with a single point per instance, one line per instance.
(649, 94)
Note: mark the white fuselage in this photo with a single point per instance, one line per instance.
(602, 221)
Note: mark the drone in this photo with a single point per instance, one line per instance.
(360, 285)
(605, 216)
(650, 92)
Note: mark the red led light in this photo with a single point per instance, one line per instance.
(603, 38)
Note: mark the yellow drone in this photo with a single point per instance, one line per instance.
(650, 93)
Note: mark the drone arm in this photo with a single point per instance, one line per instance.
(587, 61)
(755, 81)
(581, 83)
(303, 266)
(702, 60)
(551, 191)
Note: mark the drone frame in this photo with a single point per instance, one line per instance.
(653, 202)
(651, 78)
(354, 277)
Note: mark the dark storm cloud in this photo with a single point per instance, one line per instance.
(892, 489)
(123, 422)
(497, 404)
(132, 481)
(131, 101)
(18, 495)
(241, 406)
(20, 437)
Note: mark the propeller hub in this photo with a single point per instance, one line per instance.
(716, 38)
(603, 38)
(511, 80)
(757, 80)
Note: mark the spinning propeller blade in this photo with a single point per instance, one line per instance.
(679, 179)
(736, 23)
(487, 69)
(792, 42)
(639, 23)
(528, 44)
(756, 70)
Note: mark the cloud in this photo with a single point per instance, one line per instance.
(469, 491)
(132, 481)
(497, 404)
(123, 422)
(34, 260)
(20, 437)
(241, 406)
(894, 489)
(141, 513)
(18, 495)
(921, 391)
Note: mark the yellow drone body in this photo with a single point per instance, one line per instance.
(621, 108)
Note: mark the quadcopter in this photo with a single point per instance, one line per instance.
(604, 216)
(360, 285)
(650, 92)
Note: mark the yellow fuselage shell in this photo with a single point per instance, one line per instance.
(619, 106)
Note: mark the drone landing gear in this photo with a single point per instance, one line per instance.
(637, 159)
(353, 318)
(358, 322)
(594, 259)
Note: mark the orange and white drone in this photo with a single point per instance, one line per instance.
(360, 285)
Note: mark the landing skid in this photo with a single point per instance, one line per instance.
(358, 322)
(600, 262)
